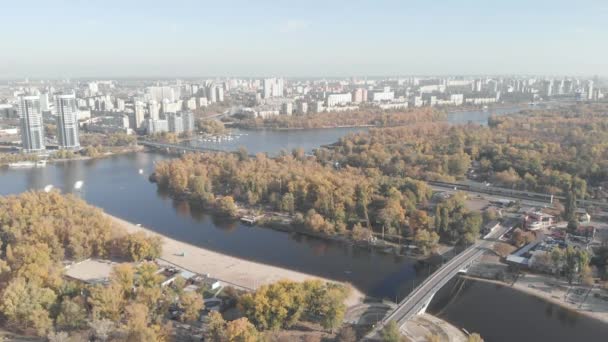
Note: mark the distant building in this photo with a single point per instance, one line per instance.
(138, 115)
(287, 108)
(220, 94)
(359, 95)
(339, 99)
(67, 121)
(32, 128)
(188, 121)
(302, 108)
(378, 96)
(154, 110)
(157, 126)
(176, 124)
(272, 87)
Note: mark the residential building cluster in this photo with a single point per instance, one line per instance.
(151, 107)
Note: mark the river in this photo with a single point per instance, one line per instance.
(114, 184)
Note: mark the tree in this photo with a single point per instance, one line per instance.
(137, 323)
(390, 332)
(226, 206)
(123, 275)
(346, 334)
(557, 258)
(426, 241)
(26, 305)
(101, 329)
(216, 327)
(241, 330)
(361, 233)
(191, 304)
(142, 247)
(332, 307)
(419, 220)
(72, 314)
(570, 206)
(106, 301)
(503, 249)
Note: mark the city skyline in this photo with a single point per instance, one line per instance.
(336, 39)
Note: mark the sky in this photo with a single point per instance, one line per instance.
(304, 38)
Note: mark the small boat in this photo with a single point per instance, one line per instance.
(141, 171)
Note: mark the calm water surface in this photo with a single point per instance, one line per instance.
(502, 314)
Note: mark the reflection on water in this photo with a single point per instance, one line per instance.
(115, 185)
(500, 313)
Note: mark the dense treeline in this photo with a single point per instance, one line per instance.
(369, 116)
(38, 231)
(282, 304)
(549, 151)
(323, 199)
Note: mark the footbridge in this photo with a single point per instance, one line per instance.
(418, 300)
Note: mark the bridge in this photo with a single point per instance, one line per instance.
(418, 300)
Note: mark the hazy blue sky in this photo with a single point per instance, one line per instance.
(302, 38)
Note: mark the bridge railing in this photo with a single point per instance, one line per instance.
(429, 279)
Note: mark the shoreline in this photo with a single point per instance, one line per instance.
(303, 128)
(544, 297)
(231, 270)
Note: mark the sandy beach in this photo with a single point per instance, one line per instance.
(231, 270)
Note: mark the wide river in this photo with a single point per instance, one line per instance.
(115, 185)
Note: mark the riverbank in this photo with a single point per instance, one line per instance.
(267, 128)
(229, 269)
(26, 157)
(579, 299)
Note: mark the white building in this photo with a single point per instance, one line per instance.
(378, 96)
(157, 126)
(161, 93)
(67, 121)
(188, 121)
(272, 87)
(32, 129)
(139, 115)
(176, 124)
(154, 110)
(339, 99)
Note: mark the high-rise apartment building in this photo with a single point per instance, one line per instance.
(139, 115)
(67, 121)
(32, 128)
(154, 110)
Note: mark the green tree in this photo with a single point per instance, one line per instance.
(426, 241)
(26, 305)
(390, 333)
(227, 206)
(191, 304)
(72, 314)
(241, 330)
(106, 301)
(123, 275)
